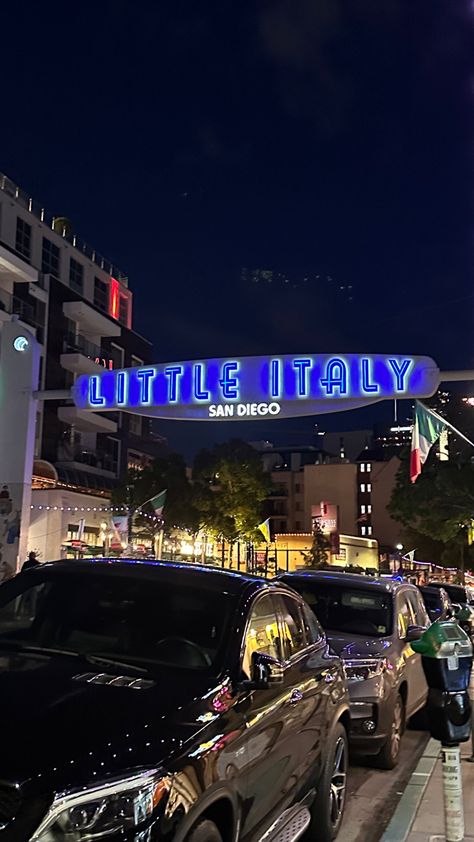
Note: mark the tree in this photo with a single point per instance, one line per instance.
(168, 472)
(230, 487)
(438, 508)
(318, 556)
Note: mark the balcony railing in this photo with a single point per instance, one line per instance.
(92, 458)
(26, 201)
(15, 306)
(80, 345)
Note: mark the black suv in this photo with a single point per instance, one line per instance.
(152, 701)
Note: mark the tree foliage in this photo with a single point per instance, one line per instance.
(168, 472)
(436, 509)
(230, 486)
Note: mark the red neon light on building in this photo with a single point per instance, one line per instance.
(114, 298)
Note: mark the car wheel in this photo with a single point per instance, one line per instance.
(388, 757)
(328, 807)
(205, 831)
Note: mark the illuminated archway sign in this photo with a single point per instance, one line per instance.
(258, 387)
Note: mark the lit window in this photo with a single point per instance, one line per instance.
(369, 487)
(369, 509)
(363, 530)
(362, 468)
(363, 509)
(369, 530)
(368, 467)
(362, 487)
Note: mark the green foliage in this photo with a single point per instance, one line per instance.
(319, 554)
(437, 508)
(166, 472)
(230, 486)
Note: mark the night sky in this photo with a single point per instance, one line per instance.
(187, 140)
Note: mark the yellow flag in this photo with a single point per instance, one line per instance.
(265, 529)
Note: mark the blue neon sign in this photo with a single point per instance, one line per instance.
(258, 387)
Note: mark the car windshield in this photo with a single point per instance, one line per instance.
(341, 608)
(136, 620)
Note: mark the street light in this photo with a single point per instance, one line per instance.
(399, 547)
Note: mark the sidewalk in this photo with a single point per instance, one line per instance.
(419, 816)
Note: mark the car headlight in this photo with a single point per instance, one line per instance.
(118, 806)
(362, 669)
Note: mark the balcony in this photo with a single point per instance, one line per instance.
(79, 355)
(89, 319)
(86, 422)
(11, 305)
(83, 357)
(16, 269)
(96, 461)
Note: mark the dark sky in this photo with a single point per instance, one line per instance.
(186, 140)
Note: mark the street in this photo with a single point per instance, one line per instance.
(373, 794)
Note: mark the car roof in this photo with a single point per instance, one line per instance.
(430, 589)
(356, 580)
(211, 578)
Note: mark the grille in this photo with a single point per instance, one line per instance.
(10, 803)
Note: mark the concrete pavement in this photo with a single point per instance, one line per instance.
(419, 816)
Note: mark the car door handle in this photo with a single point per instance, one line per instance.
(296, 697)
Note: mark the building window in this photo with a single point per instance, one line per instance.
(135, 361)
(135, 425)
(101, 295)
(297, 488)
(363, 509)
(369, 530)
(297, 507)
(362, 468)
(297, 525)
(362, 488)
(23, 238)
(369, 487)
(117, 354)
(369, 509)
(76, 276)
(363, 530)
(368, 467)
(50, 258)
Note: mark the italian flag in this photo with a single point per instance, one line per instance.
(427, 429)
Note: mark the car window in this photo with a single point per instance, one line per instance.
(314, 632)
(418, 608)
(134, 618)
(262, 633)
(405, 615)
(293, 630)
(342, 608)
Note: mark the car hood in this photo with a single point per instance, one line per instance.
(350, 647)
(61, 728)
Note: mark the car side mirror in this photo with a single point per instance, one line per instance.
(414, 633)
(266, 672)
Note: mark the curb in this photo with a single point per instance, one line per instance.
(404, 815)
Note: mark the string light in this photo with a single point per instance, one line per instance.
(81, 508)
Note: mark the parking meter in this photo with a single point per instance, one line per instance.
(446, 653)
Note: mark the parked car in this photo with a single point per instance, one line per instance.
(463, 604)
(166, 702)
(370, 623)
(437, 603)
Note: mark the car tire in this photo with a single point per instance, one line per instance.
(390, 752)
(327, 809)
(205, 831)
